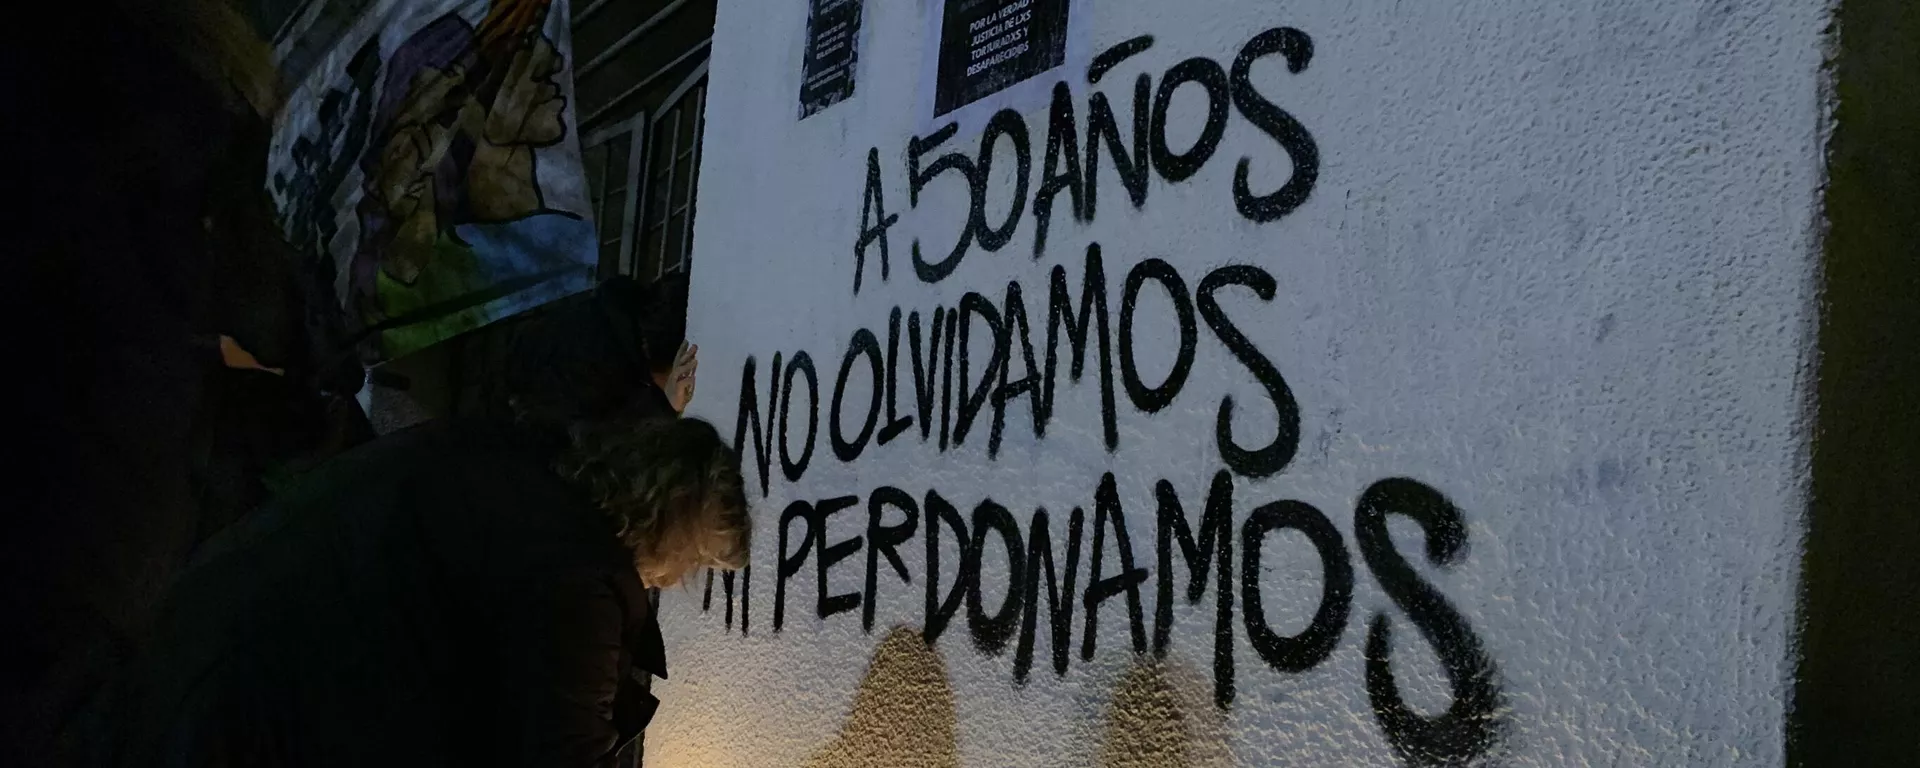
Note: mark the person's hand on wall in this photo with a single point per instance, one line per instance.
(686, 363)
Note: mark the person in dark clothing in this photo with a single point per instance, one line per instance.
(624, 341)
(674, 361)
(121, 153)
(454, 594)
(281, 374)
(464, 592)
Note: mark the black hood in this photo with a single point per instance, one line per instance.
(583, 359)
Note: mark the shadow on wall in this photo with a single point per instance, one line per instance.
(903, 713)
(1161, 716)
(903, 716)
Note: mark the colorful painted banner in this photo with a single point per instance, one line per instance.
(430, 169)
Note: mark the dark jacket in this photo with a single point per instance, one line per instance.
(583, 358)
(117, 160)
(436, 597)
(280, 307)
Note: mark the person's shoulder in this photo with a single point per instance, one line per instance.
(487, 452)
(489, 492)
(444, 456)
(511, 464)
(489, 436)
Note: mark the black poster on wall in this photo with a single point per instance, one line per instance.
(826, 78)
(988, 45)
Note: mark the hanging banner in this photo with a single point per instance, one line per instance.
(430, 169)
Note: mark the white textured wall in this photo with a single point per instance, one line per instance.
(1558, 265)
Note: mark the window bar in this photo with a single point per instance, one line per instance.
(587, 12)
(673, 167)
(600, 195)
(627, 39)
(636, 186)
(648, 80)
(693, 173)
(639, 192)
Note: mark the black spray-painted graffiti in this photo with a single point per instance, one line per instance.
(933, 381)
(1065, 169)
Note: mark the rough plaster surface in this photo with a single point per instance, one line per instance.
(1558, 265)
(902, 715)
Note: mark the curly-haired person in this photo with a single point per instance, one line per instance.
(461, 593)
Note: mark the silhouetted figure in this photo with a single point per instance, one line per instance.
(463, 592)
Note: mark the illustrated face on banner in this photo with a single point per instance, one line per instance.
(452, 204)
(460, 146)
(525, 114)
